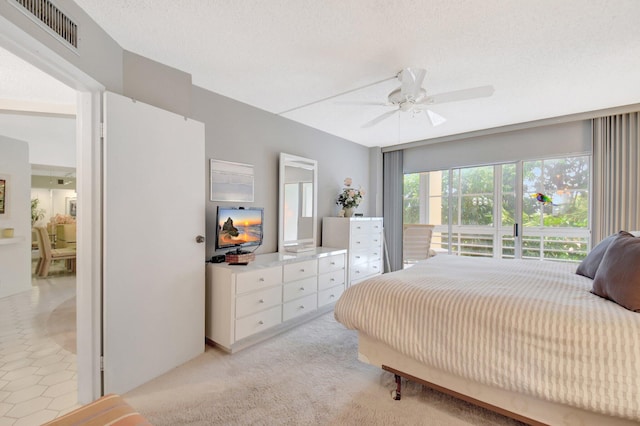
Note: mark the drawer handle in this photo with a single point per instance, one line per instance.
(302, 270)
(261, 300)
(332, 296)
(301, 307)
(260, 279)
(260, 322)
(301, 288)
(357, 257)
(332, 279)
(333, 263)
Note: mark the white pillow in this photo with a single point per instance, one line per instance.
(635, 233)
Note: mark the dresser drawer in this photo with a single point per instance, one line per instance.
(359, 272)
(330, 295)
(261, 278)
(257, 301)
(330, 263)
(331, 279)
(375, 253)
(375, 240)
(300, 270)
(300, 306)
(375, 267)
(360, 242)
(360, 228)
(299, 288)
(258, 322)
(359, 257)
(376, 225)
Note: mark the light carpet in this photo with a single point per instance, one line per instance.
(306, 376)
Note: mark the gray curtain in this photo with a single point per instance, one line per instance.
(392, 207)
(616, 179)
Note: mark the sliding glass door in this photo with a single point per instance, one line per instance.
(527, 209)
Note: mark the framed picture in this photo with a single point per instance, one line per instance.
(231, 181)
(72, 204)
(3, 195)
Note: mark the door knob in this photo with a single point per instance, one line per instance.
(200, 239)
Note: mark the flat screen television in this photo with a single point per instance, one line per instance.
(238, 227)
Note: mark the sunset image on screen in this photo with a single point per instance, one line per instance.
(240, 227)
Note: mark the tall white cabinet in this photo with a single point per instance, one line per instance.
(277, 291)
(362, 237)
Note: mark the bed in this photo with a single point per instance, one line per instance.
(525, 338)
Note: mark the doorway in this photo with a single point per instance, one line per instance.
(39, 366)
(87, 94)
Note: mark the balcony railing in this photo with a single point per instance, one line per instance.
(545, 244)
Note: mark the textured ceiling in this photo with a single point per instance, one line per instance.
(545, 58)
(25, 88)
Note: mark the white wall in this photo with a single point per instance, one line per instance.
(15, 259)
(52, 140)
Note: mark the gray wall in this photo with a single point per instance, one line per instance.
(560, 139)
(241, 133)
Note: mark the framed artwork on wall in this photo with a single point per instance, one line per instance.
(231, 181)
(72, 204)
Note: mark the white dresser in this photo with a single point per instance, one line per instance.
(362, 237)
(277, 291)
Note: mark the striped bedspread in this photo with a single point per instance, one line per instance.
(522, 325)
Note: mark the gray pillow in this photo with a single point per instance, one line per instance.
(589, 264)
(618, 276)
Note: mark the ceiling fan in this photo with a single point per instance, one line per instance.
(412, 97)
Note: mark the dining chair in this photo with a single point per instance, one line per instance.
(48, 254)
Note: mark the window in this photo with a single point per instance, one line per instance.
(461, 203)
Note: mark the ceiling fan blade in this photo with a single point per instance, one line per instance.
(380, 118)
(411, 79)
(436, 119)
(461, 95)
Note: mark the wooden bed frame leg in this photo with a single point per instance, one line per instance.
(397, 394)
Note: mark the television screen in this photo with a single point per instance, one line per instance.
(238, 227)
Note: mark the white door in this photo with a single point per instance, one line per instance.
(154, 208)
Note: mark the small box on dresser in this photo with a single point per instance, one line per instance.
(362, 237)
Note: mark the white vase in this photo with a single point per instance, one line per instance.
(348, 211)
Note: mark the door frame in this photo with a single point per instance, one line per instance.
(89, 178)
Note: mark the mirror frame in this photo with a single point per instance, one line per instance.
(289, 160)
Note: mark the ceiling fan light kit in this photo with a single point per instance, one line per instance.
(412, 97)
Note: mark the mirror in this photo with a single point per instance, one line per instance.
(297, 226)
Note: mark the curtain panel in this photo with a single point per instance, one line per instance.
(392, 207)
(616, 179)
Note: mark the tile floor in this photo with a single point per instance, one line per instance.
(37, 352)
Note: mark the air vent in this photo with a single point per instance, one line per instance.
(44, 12)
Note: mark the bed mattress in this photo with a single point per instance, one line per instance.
(525, 326)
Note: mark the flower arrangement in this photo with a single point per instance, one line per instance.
(63, 219)
(350, 198)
